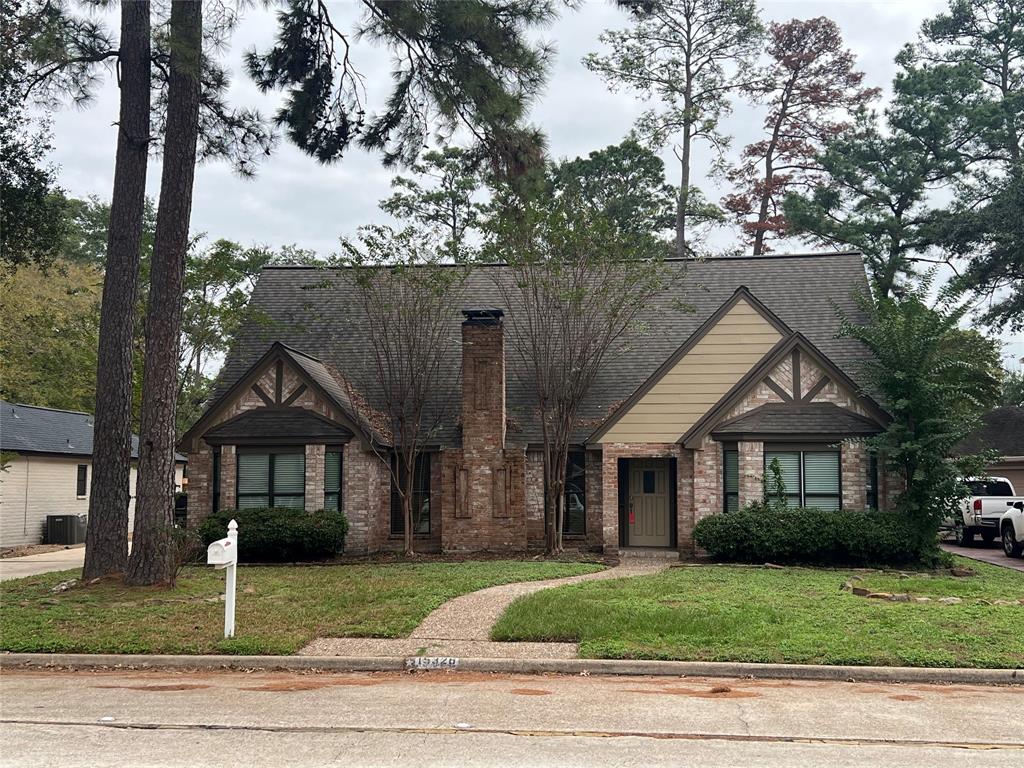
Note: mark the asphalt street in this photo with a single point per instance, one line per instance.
(124, 718)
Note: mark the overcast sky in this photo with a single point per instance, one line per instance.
(294, 200)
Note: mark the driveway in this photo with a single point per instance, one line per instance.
(31, 565)
(986, 553)
(465, 719)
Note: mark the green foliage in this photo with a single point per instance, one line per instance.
(760, 534)
(935, 380)
(623, 182)
(49, 335)
(1013, 389)
(443, 197)
(774, 495)
(468, 64)
(271, 535)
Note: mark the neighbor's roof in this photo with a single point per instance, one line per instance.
(316, 310)
(34, 429)
(1002, 430)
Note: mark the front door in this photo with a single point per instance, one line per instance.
(649, 503)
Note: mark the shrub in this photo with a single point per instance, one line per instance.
(759, 534)
(278, 534)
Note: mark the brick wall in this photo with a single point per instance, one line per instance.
(853, 468)
(200, 484)
(228, 470)
(594, 500)
(534, 499)
(314, 477)
(751, 468)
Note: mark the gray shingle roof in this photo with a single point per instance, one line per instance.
(34, 429)
(802, 419)
(1002, 430)
(314, 310)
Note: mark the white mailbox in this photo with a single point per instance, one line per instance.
(222, 553)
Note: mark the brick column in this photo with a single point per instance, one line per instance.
(853, 474)
(200, 484)
(610, 500)
(594, 469)
(314, 477)
(685, 512)
(228, 469)
(751, 469)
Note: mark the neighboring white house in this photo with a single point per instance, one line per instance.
(47, 456)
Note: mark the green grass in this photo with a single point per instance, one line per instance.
(793, 615)
(279, 609)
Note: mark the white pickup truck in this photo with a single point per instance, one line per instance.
(1011, 529)
(982, 511)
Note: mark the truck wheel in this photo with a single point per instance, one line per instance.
(1011, 546)
(988, 536)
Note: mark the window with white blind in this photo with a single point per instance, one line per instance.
(274, 478)
(811, 477)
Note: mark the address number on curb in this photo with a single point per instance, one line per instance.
(431, 662)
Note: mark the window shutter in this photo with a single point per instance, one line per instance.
(332, 471)
(289, 473)
(732, 472)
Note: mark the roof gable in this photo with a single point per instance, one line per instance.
(697, 374)
(276, 382)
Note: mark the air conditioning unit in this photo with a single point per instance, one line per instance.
(65, 529)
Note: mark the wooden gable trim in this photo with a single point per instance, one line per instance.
(741, 293)
(276, 354)
(797, 343)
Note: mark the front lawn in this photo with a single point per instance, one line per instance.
(793, 615)
(279, 609)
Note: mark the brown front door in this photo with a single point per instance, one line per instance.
(649, 504)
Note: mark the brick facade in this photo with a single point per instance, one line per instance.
(488, 495)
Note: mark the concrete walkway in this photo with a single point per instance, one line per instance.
(462, 627)
(987, 553)
(32, 565)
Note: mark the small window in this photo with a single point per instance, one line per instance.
(989, 488)
(332, 480)
(574, 521)
(420, 499)
(731, 479)
(649, 481)
(82, 482)
(275, 479)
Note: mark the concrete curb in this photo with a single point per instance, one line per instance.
(518, 666)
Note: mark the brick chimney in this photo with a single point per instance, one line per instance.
(483, 382)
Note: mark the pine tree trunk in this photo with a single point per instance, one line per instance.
(152, 558)
(683, 201)
(106, 541)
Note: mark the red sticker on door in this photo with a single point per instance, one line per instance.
(632, 517)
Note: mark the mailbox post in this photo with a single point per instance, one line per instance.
(223, 553)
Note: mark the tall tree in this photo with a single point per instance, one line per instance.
(874, 196)
(982, 44)
(811, 89)
(687, 54)
(106, 541)
(577, 283)
(624, 182)
(151, 560)
(936, 380)
(407, 295)
(444, 196)
(469, 64)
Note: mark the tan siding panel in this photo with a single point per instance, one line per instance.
(699, 380)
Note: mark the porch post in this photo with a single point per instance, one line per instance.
(610, 499)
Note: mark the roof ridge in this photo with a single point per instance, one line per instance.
(44, 408)
(324, 267)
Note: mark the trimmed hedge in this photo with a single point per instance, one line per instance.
(759, 534)
(277, 534)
